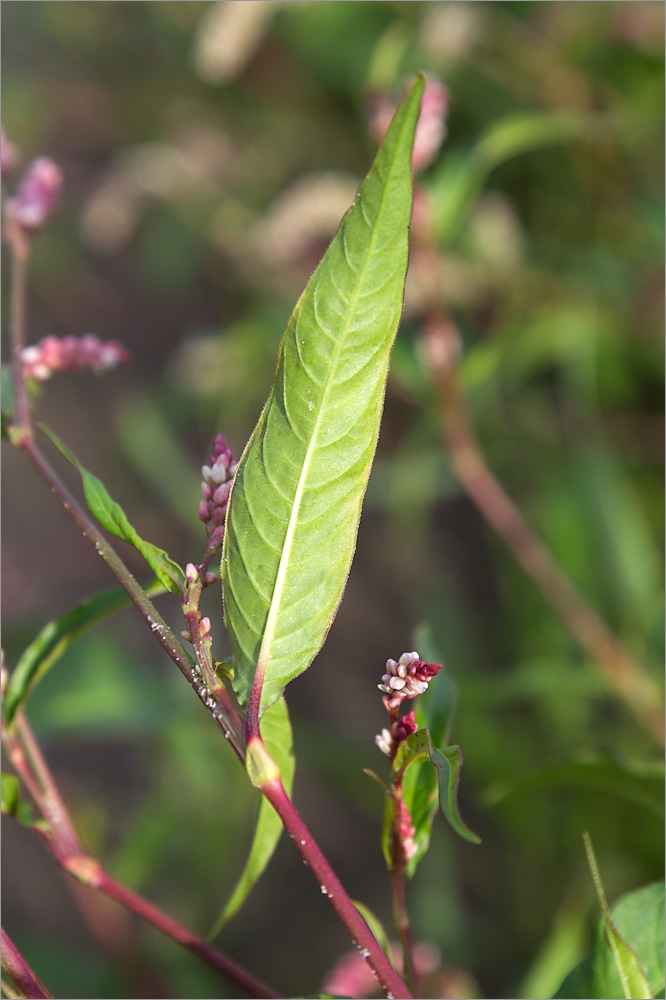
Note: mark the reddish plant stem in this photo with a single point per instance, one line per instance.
(625, 676)
(90, 873)
(332, 888)
(142, 602)
(20, 972)
(60, 837)
(400, 912)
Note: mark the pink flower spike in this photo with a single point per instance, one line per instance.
(217, 478)
(36, 196)
(73, 354)
(431, 126)
(406, 678)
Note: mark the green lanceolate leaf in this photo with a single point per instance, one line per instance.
(639, 919)
(634, 982)
(51, 642)
(277, 737)
(448, 763)
(295, 505)
(113, 518)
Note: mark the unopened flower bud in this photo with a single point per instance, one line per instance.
(36, 196)
(191, 573)
(406, 678)
(215, 489)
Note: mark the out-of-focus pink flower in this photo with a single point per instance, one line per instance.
(431, 126)
(8, 154)
(406, 678)
(215, 488)
(390, 739)
(36, 195)
(351, 975)
(73, 354)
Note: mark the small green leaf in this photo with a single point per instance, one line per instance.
(435, 710)
(12, 803)
(10, 794)
(448, 763)
(113, 518)
(296, 501)
(634, 981)
(420, 782)
(277, 737)
(51, 642)
(415, 748)
(639, 919)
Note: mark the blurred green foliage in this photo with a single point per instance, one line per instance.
(207, 164)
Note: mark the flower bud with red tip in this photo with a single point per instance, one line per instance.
(406, 678)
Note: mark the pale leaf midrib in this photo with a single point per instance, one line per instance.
(271, 620)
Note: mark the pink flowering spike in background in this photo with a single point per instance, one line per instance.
(72, 354)
(431, 127)
(36, 196)
(215, 488)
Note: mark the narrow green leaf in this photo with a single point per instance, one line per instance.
(113, 518)
(639, 919)
(277, 736)
(634, 982)
(435, 710)
(448, 763)
(12, 803)
(295, 505)
(51, 642)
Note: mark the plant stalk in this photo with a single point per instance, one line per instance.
(61, 839)
(24, 979)
(332, 888)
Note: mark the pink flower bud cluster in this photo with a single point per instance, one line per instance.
(36, 195)
(215, 488)
(390, 739)
(193, 574)
(407, 678)
(71, 354)
(431, 126)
